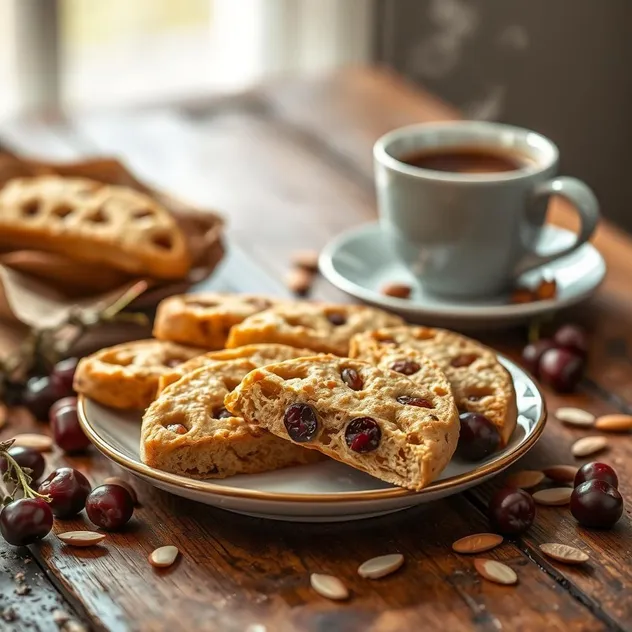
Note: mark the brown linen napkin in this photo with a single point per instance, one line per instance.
(38, 289)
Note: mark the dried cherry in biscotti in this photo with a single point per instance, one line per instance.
(300, 422)
(363, 434)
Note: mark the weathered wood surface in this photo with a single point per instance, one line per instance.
(298, 154)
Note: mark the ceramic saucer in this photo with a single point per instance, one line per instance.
(360, 262)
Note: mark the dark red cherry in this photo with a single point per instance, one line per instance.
(222, 413)
(68, 490)
(511, 511)
(71, 400)
(532, 353)
(478, 438)
(63, 374)
(561, 369)
(406, 367)
(110, 506)
(25, 457)
(336, 318)
(301, 422)
(363, 434)
(596, 504)
(596, 471)
(573, 338)
(351, 378)
(40, 393)
(25, 521)
(67, 430)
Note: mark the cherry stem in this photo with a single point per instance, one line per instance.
(23, 480)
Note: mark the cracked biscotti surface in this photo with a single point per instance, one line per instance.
(480, 383)
(257, 354)
(126, 376)
(93, 222)
(324, 328)
(374, 419)
(205, 319)
(188, 431)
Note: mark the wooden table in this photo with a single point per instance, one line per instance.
(290, 166)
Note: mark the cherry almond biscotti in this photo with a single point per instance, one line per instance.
(376, 420)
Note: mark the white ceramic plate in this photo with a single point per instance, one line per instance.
(359, 262)
(323, 492)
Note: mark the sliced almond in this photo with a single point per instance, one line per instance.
(495, 571)
(397, 290)
(381, 566)
(81, 538)
(589, 445)
(614, 423)
(115, 480)
(163, 556)
(525, 479)
(39, 442)
(575, 416)
(564, 553)
(328, 586)
(561, 473)
(307, 259)
(477, 543)
(554, 496)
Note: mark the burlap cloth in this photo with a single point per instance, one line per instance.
(38, 289)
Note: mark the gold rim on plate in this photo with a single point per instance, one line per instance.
(369, 495)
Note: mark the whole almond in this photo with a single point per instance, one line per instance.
(115, 480)
(381, 566)
(307, 259)
(555, 496)
(589, 445)
(81, 538)
(495, 571)
(39, 442)
(163, 556)
(525, 479)
(328, 586)
(614, 423)
(477, 543)
(397, 290)
(561, 473)
(299, 281)
(575, 416)
(564, 553)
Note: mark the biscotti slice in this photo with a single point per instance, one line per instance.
(324, 328)
(93, 222)
(187, 430)
(126, 376)
(257, 354)
(373, 419)
(205, 319)
(480, 383)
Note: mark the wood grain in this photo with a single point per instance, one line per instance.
(299, 155)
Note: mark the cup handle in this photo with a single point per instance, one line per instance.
(586, 205)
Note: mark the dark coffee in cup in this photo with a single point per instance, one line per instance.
(467, 160)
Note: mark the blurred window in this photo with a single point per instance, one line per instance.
(99, 53)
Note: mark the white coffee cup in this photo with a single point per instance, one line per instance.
(466, 234)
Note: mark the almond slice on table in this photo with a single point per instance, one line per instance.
(589, 445)
(163, 556)
(115, 480)
(614, 423)
(575, 416)
(496, 572)
(525, 479)
(328, 586)
(564, 553)
(555, 496)
(561, 473)
(477, 543)
(81, 538)
(39, 442)
(381, 566)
